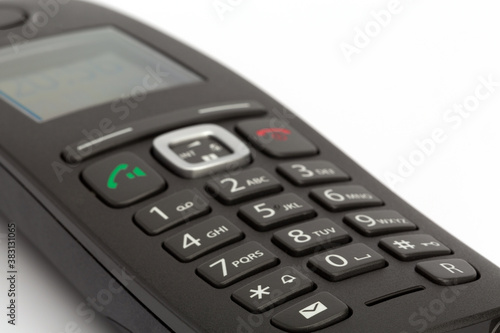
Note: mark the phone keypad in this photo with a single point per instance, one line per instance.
(276, 211)
(333, 257)
(242, 186)
(171, 211)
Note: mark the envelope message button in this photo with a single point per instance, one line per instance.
(313, 309)
(312, 314)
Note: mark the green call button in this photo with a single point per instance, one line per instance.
(123, 179)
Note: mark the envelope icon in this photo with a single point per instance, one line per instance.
(312, 310)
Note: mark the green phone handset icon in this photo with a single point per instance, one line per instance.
(137, 172)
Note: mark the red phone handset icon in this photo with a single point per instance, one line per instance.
(278, 134)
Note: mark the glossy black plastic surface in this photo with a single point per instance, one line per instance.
(170, 290)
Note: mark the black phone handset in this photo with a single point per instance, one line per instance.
(212, 211)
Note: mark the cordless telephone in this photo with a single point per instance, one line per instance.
(213, 212)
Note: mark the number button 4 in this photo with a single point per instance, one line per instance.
(203, 238)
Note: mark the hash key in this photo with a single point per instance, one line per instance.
(413, 247)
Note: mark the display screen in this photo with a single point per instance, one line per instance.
(55, 76)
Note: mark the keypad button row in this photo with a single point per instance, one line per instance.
(334, 265)
(286, 283)
(287, 208)
(237, 187)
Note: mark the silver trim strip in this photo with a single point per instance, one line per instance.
(104, 138)
(225, 107)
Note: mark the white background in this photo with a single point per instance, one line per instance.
(394, 91)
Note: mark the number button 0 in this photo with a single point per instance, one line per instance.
(246, 185)
(312, 172)
(171, 211)
(309, 237)
(346, 262)
(237, 264)
(203, 238)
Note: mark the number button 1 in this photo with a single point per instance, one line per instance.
(245, 185)
(237, 264)
(309, 237)
(312, 172)
(171, 211)
(205, 237)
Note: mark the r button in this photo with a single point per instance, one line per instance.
(448, 272)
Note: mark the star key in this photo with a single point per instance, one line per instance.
(281, 286)
(259, 292)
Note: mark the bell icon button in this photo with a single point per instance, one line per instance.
(288, 279)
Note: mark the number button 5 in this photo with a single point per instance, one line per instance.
(276, 211)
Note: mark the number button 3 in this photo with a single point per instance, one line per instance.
(312, 172)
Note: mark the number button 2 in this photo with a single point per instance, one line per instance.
(246, 185)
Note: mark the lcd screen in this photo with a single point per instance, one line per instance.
(51, 77)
